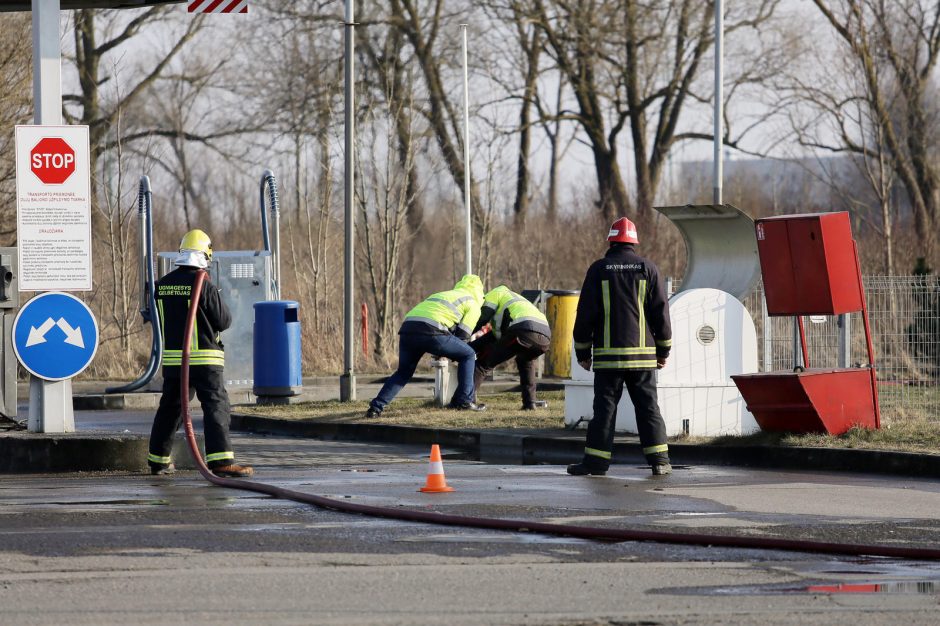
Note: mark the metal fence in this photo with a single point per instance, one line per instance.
(904, 312)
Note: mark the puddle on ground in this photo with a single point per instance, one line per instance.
(904, 587)
(149, 502)
(500, 538)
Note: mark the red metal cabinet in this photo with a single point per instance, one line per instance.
(810, 267)
(813, 401)
(808, 264)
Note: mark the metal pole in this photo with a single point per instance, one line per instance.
(47, 63)
(845, 340)
(347, 385)
(768, 334)
(466, 148)
(797, 344)
(50, 402)
(719, 99)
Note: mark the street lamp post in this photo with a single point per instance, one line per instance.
(719, 100)
(347, 385)
(466, 153)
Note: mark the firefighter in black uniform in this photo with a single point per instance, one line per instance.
(206, 361)
(623, 317)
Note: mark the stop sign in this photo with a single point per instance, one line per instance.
(52, 160)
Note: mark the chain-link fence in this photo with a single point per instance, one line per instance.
(904, 312)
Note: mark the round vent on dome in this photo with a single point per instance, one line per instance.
(705, 334)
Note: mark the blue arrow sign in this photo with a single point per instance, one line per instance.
(55, 336)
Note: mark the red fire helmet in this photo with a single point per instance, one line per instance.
(623, 231)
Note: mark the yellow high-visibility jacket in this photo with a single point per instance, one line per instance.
(507, 310)
(454, 311)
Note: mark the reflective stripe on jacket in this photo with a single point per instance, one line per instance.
(623, 313)
(505, 309)
(173, 297)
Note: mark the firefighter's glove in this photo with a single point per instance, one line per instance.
(586, 364)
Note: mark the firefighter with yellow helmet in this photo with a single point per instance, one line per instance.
(206, 362)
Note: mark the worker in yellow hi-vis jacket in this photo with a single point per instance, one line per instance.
(440, 325)
(518, 329)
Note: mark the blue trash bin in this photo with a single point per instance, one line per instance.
(277, 349)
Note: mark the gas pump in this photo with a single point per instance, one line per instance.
(244, 277)
(9, 303)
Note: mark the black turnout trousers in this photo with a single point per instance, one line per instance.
(525, 345)
(608, 388)
(207, 384)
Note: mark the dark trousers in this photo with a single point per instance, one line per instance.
(608, 388)
(413, 346)
(208, 385)
(526, 346)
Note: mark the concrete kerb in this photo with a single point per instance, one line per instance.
(96, 401)
(39, 453)
(529, 448)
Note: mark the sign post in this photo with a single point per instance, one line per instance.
(53, 226)
(55, 336)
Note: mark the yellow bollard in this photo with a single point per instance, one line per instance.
(561, 310)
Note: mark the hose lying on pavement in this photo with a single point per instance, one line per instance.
(584, 532)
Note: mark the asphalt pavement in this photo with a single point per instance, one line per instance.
(120, 546)
(125, 547)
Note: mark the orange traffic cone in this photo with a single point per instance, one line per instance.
(436, 482)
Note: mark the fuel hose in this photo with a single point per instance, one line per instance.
(583, 532)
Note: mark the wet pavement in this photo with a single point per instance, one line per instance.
(120, 547)
(109, 548)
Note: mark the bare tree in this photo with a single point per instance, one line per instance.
(425, 25)
(299, 94)
(634, 67)
(384, 208)
(117, 209)
(893, 47)
(15, 100)
(89, 53)
(387, 75)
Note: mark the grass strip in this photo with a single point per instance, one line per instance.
(503, 411)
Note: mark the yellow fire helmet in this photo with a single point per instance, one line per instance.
(197, 241)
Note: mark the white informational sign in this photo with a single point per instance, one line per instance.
(53, 208)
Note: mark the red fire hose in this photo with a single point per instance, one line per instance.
(583, 532)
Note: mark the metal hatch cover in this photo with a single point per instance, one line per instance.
(721, 247)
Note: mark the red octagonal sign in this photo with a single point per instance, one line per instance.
(52, 160)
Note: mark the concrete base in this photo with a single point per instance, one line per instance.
(347, 388)
(704, 410)
(31, 453)
(278, 400)
(116, 401)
